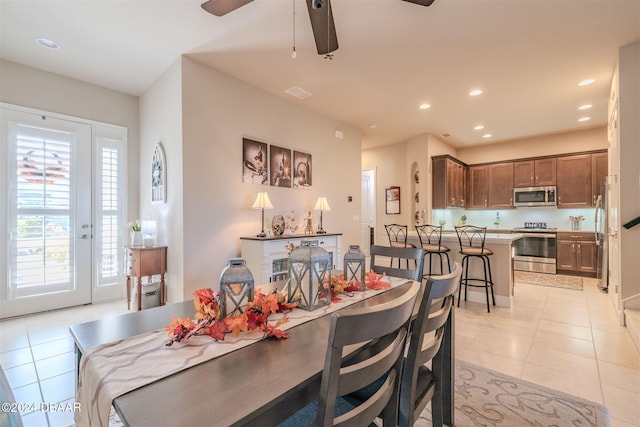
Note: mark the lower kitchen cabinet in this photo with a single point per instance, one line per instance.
(268, 258)
(577, 254)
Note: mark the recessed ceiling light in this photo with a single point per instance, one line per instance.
(424, 106)
(479, 127)
(49, 44)
(586, 82)
(487, 135)
(585, 107)
(373, 126)
(584, 119)
(475, 92)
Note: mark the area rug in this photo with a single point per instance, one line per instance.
(488, 398)
(552, 280)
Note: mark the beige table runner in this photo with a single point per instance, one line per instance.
(111, 370)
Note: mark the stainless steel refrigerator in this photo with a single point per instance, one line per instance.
(602, 238)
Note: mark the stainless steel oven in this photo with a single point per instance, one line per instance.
(535, 251)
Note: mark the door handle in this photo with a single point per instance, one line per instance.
(84, 236)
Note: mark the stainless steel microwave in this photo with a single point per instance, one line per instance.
(535, 196)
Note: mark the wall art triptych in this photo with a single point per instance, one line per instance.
(276, 166)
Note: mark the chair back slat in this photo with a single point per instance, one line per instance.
(381, 257)
(397, 233)
(352, 326)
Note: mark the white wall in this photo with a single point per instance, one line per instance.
(218, 111)
(546, 145)
(30, 87)
(629, 144)
(161, 122)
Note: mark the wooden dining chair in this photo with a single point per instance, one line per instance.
(431, 340)
(388, 322)
(382, 261)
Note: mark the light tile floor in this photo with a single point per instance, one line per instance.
(563, 339)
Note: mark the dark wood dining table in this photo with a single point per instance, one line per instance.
(260, 384)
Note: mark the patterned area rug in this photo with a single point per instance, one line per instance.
(553, 280)
(488, 398)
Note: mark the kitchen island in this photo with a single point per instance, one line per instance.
(501, 264)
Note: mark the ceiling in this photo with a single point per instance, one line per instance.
(527, 56)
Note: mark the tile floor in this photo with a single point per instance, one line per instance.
(563, 339)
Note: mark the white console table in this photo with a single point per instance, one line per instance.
(268, 258)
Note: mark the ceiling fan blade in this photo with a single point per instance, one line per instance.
(222, 7)
(421, 2)
(324, 29)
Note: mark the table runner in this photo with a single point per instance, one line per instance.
(113, 369)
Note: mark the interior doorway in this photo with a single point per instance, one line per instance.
(368, 209)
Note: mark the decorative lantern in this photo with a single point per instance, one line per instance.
(309, 265)
(236, 287)
(354, 266)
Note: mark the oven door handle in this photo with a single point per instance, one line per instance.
(541, 235)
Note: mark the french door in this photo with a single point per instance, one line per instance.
(49, 213)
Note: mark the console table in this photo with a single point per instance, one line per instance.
(268, 257)
(141, 262)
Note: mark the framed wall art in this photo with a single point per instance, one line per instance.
(392, 199)
(302, 170)
(280, 166)
(255, 168)
(158, 175)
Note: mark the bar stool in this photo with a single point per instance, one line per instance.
(431, 241)
(398, 238)
(471, 241)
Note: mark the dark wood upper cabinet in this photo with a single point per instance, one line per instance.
(501, 185)
(599, 171)
(478, 197)
(574, 181)
(448, 182)
(538, 172)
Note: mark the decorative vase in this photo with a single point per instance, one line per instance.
(277, 225)
(136, 238)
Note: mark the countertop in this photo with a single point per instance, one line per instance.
(495, 238)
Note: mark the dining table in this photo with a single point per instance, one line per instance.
(262, 383)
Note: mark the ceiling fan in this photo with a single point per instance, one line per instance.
(324, 30)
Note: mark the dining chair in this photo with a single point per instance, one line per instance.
(431, 340)
(433, 326)
(387, 321)
(382, 261)
(431, 241)
(398, 237)
(471, 240)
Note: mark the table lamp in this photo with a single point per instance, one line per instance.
(149, 231)
(322, 205)
(262, 202)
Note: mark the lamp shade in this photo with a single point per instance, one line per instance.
(149, 227)
(262, 201)
(322, 204)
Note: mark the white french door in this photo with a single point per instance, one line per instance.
(49, 250)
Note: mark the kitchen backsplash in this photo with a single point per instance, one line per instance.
(511, 218)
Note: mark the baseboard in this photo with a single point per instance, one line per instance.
(632, 321)
(481, 297)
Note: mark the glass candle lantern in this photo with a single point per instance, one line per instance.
(236, 287)
(354, 266)
(309, 265)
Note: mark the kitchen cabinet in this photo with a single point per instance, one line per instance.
(574, 181)
(268, 258)
(490, 186)
(535, 172)
(579, 179)
(599, 171)
(448, 182)
(577, 253)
